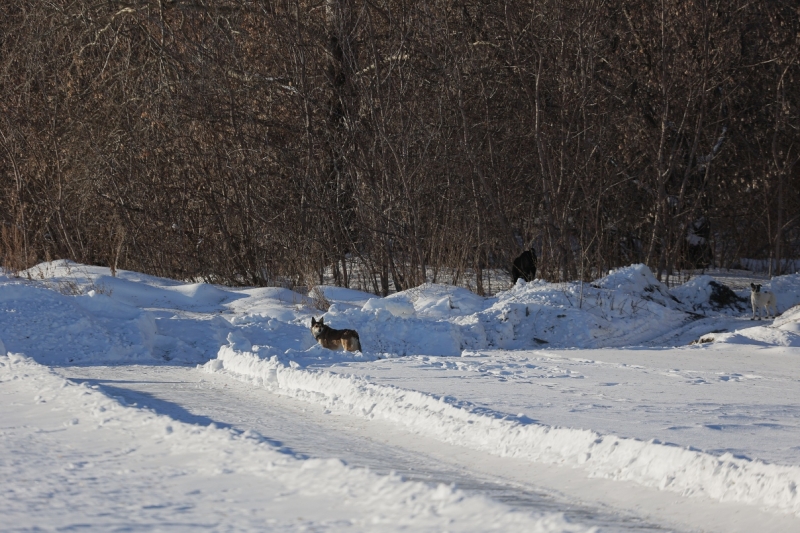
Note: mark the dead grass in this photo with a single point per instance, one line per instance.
(68, 285)
(318, 299)
(14, 254)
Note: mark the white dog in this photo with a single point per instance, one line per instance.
(765, 299)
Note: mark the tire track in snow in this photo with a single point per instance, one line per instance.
(308, 431)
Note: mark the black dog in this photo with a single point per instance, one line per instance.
(524, 266)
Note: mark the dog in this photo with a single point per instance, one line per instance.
(333, 339)
(524, 266)
(765, 299)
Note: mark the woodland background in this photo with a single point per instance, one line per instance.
(390, 142)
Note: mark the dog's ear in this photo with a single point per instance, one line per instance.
(320, 320)
(313, 321)
(753, 286)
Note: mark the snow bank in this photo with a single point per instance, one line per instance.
(627, 307)
(673, 468)
(92, 427)
(395, 306)
(55, 328)
(784, 331)
(441, 301)
(786, 289)
(101, 319)
(789, 321)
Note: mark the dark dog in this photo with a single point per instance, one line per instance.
(332, 339)
(524, 266)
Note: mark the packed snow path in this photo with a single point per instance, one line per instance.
(73, 458)
(308, 431)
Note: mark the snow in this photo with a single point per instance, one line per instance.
(596, 379)
(127, 467)
(724, 477)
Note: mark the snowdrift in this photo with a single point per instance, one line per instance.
(705, 295)
(784, 331)
(60, 329)
(134, 316)
(627, 307)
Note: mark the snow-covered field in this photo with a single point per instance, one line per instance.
(134, 402)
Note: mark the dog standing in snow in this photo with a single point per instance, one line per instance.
(524, 266)
(332, 339)
(765, 299)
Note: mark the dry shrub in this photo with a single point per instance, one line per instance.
(318, 299)
(183, 155)
(14, 255)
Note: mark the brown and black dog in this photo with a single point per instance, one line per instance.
(332, 339)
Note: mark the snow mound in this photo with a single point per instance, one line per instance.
(350, 297)
(396, 306)
(385, 334)
(757, 336)
(442, 301)
(192, 296)
(634, 279)
(784, 331)
(789, 320)
(55, 328)
(188, 322)
(704, 294)
(629, 306)
(786, 289)
(430, 300)
(77, 314)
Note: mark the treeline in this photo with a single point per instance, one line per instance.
(246, 142)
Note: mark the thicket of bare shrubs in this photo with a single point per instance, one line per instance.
(243, 142)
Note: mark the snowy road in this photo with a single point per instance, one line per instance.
(185, 394)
